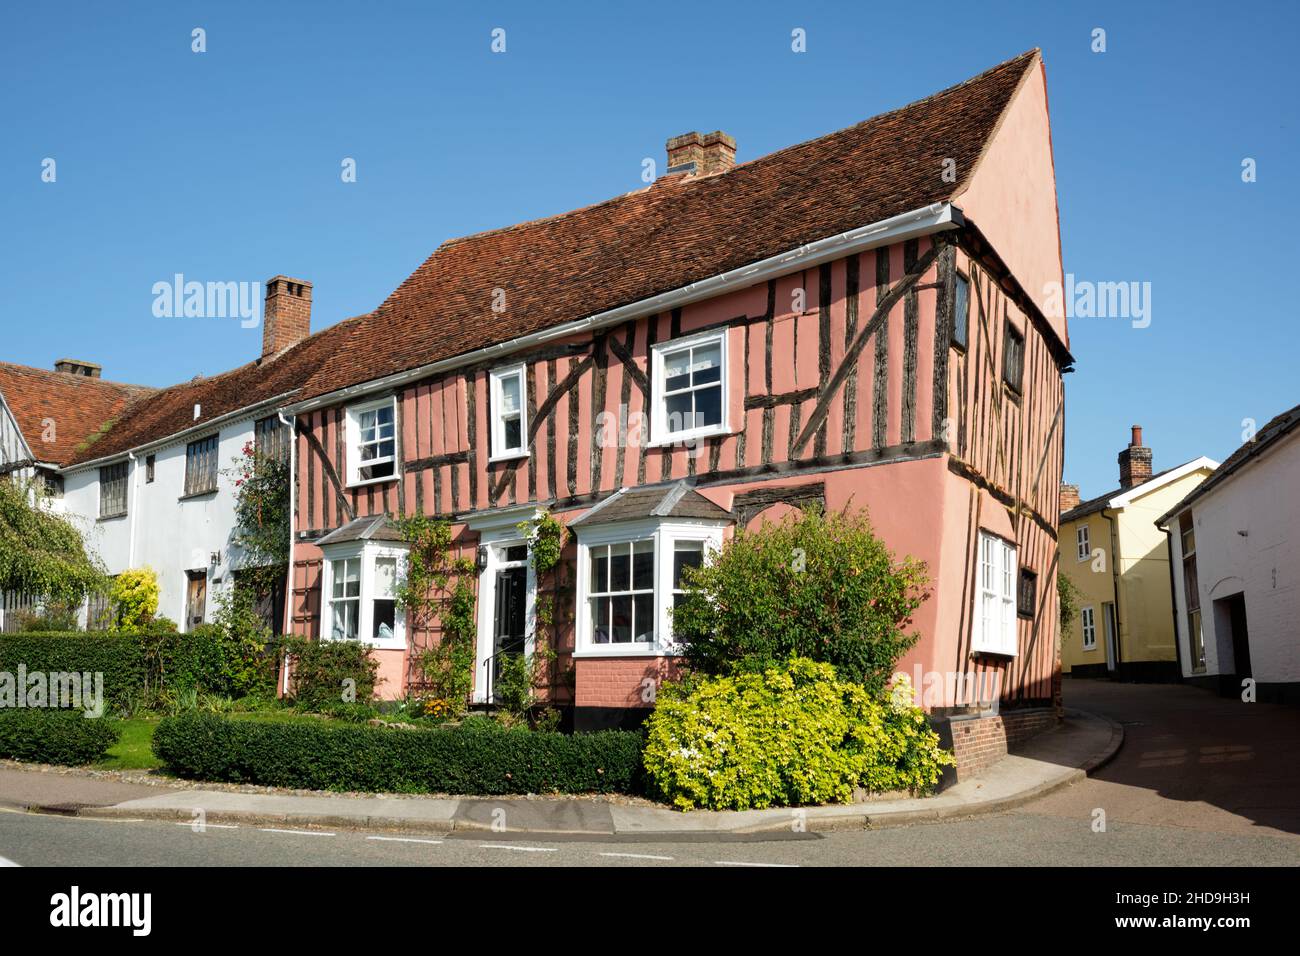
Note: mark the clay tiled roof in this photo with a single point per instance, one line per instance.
(170, 410)
(74, 405)
(678, 500)
(680, 230)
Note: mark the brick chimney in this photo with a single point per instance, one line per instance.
(68, 366)
(701, 154)
(1069, 497)
(286, 317)
(1134, 461)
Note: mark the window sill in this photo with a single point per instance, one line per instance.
(396, 644)
(195, 495)
(509, 456)
(681, 438)
(115, 517)
(372, 481)
(628, 650)
(1002, 655)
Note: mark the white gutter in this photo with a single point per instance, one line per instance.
(919, 222)
(248, 411)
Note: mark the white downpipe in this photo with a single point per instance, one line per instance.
(287, 623)
(131, 513)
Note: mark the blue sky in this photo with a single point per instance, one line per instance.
(225, 165)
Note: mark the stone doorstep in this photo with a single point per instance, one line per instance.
(1009, 783)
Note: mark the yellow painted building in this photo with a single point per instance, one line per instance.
(1112, 551)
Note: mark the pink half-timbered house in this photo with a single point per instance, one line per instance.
(854, 320)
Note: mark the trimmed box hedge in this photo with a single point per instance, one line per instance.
(120, 658)
(477, 757)
(55, 736)
(132, 663)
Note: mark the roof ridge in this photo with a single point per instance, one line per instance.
(77, 379)
(688, 181)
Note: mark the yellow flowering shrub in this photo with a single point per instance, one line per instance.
(790, 735)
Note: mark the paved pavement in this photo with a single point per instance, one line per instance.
(1199, 782)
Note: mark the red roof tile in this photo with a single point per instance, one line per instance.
(68, 408)
(171, 410)
(674, 233)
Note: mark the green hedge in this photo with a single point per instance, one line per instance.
(54, 736)
(120, 658)
(132, 663)
(477, 757)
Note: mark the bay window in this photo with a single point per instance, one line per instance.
(360, 589)
(630, 579)
(994, 629)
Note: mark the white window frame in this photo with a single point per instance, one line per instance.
(659, 433)
(1088, 621)
(353, 434)
(996, 578)
(367, 553)
(1083, 547)
(499, 451)
(665, 534)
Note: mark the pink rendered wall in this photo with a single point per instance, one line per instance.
(1012, 195)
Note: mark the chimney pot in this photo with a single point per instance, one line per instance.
(286, 315)
(1069, 497)
(701, 154)
(1134, 461)
(68, 366)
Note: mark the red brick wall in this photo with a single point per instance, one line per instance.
(619, 681)
(979, 742)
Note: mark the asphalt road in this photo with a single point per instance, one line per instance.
(1200, 782)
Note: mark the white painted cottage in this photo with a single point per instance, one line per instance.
(1234, 544)
(144, 473)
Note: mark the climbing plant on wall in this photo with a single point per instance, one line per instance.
(261, 515)
(547, 537)
(438, 589)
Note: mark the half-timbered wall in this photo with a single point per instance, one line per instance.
(834, 372)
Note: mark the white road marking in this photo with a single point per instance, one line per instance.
(210, 826)
(404, 840)
(637, 856)
(7, 862)
(297, 832)
(520, 849)
(741, 863)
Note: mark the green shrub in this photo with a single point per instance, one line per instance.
(790, 735)
(476, 757)
(65, 737)
(325, 673)
(134, 596)
(120, 658)
(55, 616)
(139, 666)
(817, 586)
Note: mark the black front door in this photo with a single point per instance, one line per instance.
(509, 634)
(1240, 636)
